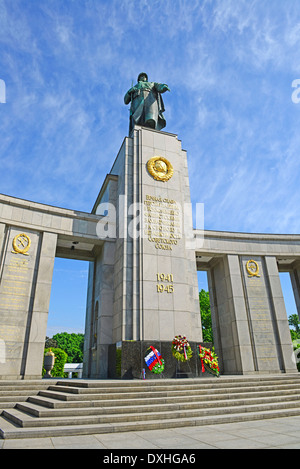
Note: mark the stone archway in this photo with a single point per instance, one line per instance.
(31, 236)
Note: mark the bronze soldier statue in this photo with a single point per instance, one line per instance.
(147, 105)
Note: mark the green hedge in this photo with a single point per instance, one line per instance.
(297, 347)
(59, 363)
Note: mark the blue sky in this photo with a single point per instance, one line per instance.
(230, 67)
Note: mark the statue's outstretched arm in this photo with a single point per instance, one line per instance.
(161, 87)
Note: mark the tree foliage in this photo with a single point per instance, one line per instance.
(50, 343)
(294, 322)
(205, 316)
(72, 344)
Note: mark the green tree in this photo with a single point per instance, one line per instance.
(294, 321)
(205, 316)
(50, 343)
(294, 334)
(72, 344)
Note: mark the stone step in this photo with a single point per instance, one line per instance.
(38, 411)
(8, 389)
(8, 430)
(166, 389)
(62, 394)
(24, 383)
(69, 407)
(57, 403)
(25, 420)
(21, 392)
(223, 379)
(9, 404)
(175, 384)
(9, 395)
(54, 403)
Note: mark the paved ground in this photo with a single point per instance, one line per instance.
(259, 434)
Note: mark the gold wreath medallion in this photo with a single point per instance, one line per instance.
(160, 168)
(252, 268)
(21, 244)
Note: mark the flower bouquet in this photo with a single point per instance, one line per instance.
(209, 361)
(154, 361)
(181, 349)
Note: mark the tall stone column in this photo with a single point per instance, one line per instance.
(272, 348)
(281, 330)
(2, 333)
(37, 318)
(229, 317)
(99, 319)
(101, 287)
(165, 294)
(155, 278)
(26, 273)
(295, 279)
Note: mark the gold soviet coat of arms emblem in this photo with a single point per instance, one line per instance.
(160, 168)
(21, 244)
(252, 268)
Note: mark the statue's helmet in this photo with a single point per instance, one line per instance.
(141, 75)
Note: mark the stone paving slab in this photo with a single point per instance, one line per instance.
(260, 434)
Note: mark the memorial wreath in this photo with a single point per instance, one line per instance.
(209, 361)
(181, 349)
(154, 360)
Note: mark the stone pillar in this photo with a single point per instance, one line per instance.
(295, 279)
(250, 325)
(88, 335)
(99, 320)
(272, 348)
(280, 323)
(26, 274)
(101, 289)
(165, 289)
(2, 332)
(229, 317)
(2, 236)
(37, 324)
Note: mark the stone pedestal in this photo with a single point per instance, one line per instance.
(152, 271)
(127, 361)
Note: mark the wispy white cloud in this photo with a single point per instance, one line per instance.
(229, 66)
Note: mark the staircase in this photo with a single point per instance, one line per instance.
(31, 409)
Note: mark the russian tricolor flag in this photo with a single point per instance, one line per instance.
(153, 358)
